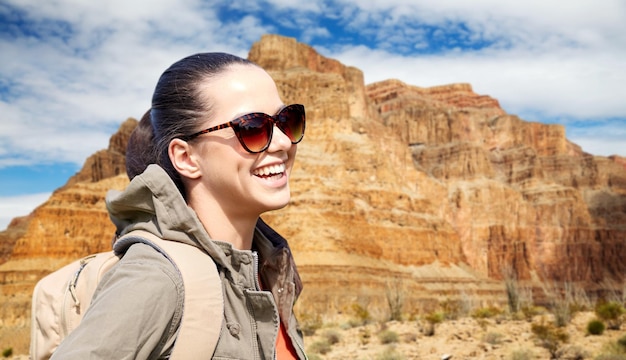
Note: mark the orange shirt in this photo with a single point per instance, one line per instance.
(284, 347)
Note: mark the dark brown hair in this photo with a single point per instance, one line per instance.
(178, 109)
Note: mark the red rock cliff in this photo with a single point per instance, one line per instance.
(437, 188)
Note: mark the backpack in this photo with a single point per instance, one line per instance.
(61, 298)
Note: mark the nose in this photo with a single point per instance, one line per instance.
(280, 141)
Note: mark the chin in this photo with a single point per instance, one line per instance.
(277, 204)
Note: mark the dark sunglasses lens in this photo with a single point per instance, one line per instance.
(255, 132)
(291, 122)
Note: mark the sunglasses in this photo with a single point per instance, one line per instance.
(254, 131)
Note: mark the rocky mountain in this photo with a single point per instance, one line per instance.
(423, 194)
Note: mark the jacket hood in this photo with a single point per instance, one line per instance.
(153, 203)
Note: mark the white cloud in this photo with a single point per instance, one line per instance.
(576, 82)
(602, 145)
(532, 56)
(14, 206)
(308, 6)
(315, 32)
(606, 138)
(70, 91)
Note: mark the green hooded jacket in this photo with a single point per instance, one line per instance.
(136, 310)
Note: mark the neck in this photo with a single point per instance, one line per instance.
(237, 230)
(239, 234)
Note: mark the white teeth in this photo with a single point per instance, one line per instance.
(270, 170)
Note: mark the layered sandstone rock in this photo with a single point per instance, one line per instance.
(74, 221)
(524, 195)
(431, 192)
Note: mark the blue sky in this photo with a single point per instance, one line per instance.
(71, 71)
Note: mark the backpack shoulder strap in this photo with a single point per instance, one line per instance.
(203, 306)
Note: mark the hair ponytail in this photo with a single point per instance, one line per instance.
(140, 148)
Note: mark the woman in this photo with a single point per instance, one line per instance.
(220, 162)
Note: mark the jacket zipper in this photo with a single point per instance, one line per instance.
(257, 283)
(255, 256)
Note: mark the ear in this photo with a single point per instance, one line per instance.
(181, 156)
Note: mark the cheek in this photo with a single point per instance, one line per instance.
(218, 160)
(292, 156)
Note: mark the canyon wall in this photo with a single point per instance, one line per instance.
(431, 192)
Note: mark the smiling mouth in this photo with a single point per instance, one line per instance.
(270, 171)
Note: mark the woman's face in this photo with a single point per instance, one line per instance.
(240, 182)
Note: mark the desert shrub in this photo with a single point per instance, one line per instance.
(467, 302)
(451, 309)
(493, 338)
(518, 316)
(512, 289)
(412, 315)
(609, 310)
(395, 299)
(486, 312)
(577, 307)
(580, 300)
(615, 348)
(309, 324)
(612, 313)
(431, 320)
(332, 336)
(530, 311)
(562, 313)
(320, 347)
(435, 317)
(361, 315)
(595, 327)
(390, 353)
(562, 300)
(522, 354)
(388, 337)
(549, 337)
(8, 352)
